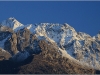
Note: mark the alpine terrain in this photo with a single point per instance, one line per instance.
(47, 48)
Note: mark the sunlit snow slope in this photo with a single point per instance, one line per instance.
(78, 45)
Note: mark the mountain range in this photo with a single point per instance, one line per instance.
(47, 48)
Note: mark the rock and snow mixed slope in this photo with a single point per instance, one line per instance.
(75, 45)
(12, 23)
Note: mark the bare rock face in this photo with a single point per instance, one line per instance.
(5, 29)
(50, 42)
(11, 44)
(50, 61)
(13, 41)
(18, 41)
(21, 41)
(4, 55)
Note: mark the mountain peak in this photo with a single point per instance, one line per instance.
(11, 18)
(77, 45)
(12, 23)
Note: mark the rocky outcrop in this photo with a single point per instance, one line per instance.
(49, 61)
(57, 43)
(22, 41)
(4, 55)
(11, 44)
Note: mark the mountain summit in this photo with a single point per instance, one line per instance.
(12, 23)
(24, 41)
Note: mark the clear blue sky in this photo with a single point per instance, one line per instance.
(83, 16)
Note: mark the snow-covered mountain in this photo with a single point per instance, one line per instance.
(12, 23)
(78, 46)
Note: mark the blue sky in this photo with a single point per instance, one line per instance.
(83, 16)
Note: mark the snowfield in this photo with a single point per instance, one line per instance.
(78, 46)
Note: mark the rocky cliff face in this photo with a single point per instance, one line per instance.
(4, 55)
(22, 41)
(48, 61)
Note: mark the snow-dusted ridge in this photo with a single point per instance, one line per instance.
(77, 45)
(12, 23)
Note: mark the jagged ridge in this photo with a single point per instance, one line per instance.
(80, 46)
